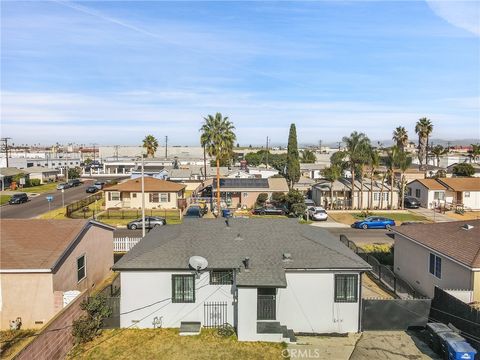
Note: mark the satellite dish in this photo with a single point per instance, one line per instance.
(198, 262)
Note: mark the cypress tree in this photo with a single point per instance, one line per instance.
(293, 164)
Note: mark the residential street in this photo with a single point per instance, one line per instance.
(39, 205)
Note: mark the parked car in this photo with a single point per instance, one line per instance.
(194, 212)
(18, 198)
(99, 185)
(150, 223)
(312, 209)
(91, 190)
(319, 215)
(63, 186)
(374, 222)
(270, 210)
(310, 203)
(411, 202)
(75, 182)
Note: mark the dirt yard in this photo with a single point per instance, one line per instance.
(469, 215)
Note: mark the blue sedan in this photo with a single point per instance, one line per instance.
(374, 222)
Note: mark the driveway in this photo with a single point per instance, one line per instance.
(392, 345)
(363, 237)
(431, 215)
(39, 205)
(322, 347)
(330, 223)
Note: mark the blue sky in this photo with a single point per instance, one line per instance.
(110, 72)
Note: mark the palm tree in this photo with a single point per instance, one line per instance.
(474, 153)
(308, 157)
(151, 144)
(423, 128)
(392, 158)
(374, 163)
(356, 149)
(400, 136)
(332, 174)
(218, 139)
(403, 161)
(437, 151)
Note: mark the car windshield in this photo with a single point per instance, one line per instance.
(193, 212)
(320, 212)
(370, 218)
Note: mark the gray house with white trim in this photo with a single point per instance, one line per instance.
(268, 278)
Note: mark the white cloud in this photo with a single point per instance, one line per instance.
(460, 13)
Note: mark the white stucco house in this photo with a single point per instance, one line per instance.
(268, 278)
(159, 194)
(447, 192)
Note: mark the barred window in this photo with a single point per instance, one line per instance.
(183, 288)
(346, 288)
(221, 277)
(154, 197)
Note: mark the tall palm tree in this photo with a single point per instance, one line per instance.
(332, 174)
(392, 159)
(437, 151)
(400, 136)
(218, 138)
(356, 151)
(423, 128)
(150, 144)
(403, 161)
(474, 153)
(374, 163)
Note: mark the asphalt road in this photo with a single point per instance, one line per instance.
(361, 236)
(38, 205)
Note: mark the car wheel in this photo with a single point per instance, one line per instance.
(133, 227)
(365, 226)
(388, 227)
(262, 212)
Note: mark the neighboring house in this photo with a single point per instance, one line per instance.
(447, 192)
(261, 274)
(159, 194)
(7, 174)
(312, 171)
(160, 174)
(42, 173)
(342, 194)
(43, 261)
(304, 184)
(476, 168)
(243, 192)
(190, 176)
(446, 255)
(414, 172)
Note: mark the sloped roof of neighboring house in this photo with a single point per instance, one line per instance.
(431, 184)
(309, 166)
(448, 238)
(180, 173)
(415, 168)
(249, 184)
(345, 184)
(461, 183)
(151, 184)
(11, 171)
(38, 244)
(40, 169)
(263, 241)
(475, 166)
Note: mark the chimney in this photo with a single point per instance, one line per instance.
(246, 263)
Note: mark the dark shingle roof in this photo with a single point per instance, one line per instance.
(264, 241)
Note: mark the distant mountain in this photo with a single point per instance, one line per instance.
(435, 141)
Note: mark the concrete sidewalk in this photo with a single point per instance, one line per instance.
(322, 347)
(330, 223)
(431, 215)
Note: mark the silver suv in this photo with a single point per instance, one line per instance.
(150, 223)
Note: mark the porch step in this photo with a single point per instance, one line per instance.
(190, 328)
(274, 327)
(291, 336)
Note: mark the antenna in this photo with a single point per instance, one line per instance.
(198, 263)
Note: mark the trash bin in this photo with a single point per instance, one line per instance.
(460, 350)
(451, 337)
(226, 213)
(433, 329)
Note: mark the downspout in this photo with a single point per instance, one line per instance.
(360, 304)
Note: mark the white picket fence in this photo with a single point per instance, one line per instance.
(125, 244)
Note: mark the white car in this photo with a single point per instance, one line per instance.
(311, 210)
(319, 215)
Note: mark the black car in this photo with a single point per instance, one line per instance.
(91, 189)
(18, 198)
(75, 182)
(194, 212)
(269, 210)
(411, 202)
(150, 223)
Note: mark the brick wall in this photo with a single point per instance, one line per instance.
(52, 345)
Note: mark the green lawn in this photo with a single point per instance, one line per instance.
(13, 341)
(167, 344)
(399, 217)
(123, 217)
(4, 199)
(40, 188)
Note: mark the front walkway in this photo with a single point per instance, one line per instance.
(330, 223)
(322, 347)
(431, 215)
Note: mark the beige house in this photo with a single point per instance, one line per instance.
(448, 192)
(159, 194)
(42, 173)
(446, 255)
(45, 263)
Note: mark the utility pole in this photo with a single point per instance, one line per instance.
(339, 144)
(267, 154)
(166, 147)
(320, 145)
(143, 197)
(116, 152)
(5, 140)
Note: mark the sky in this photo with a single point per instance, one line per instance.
(111, 72)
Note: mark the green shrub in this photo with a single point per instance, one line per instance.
(278, 197)
(261, 199)
(34, 182)
(88, 326)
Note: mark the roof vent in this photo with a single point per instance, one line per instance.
(246, 263)
(286, 256)
(467, 227)
(238, 237)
